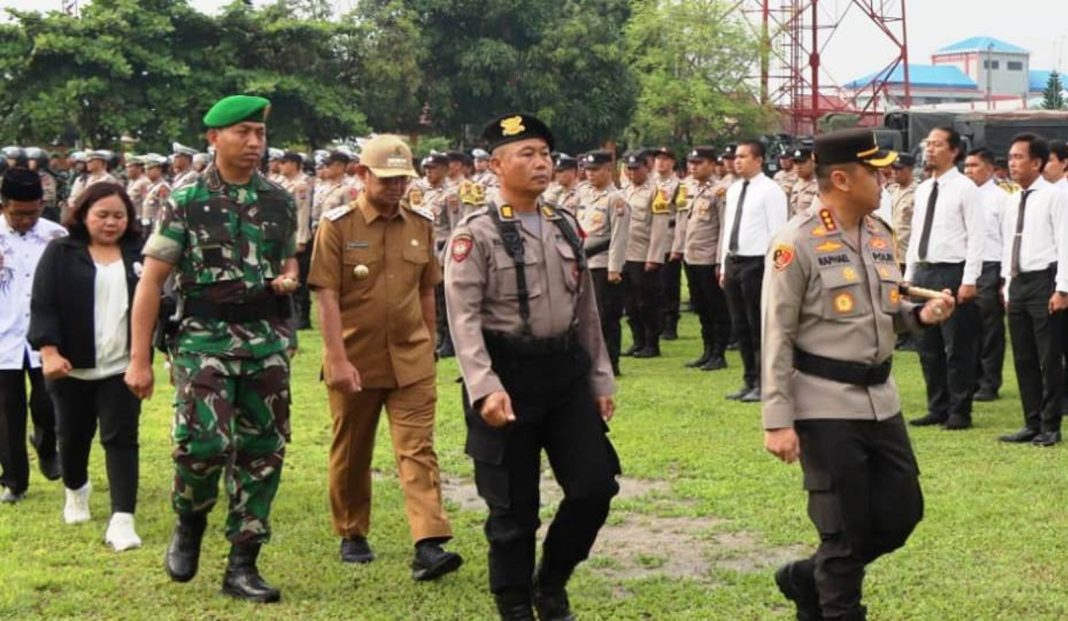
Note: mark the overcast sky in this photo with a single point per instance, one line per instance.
(857, 49)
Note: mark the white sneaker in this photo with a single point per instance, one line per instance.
(121, 534)
(77, 509)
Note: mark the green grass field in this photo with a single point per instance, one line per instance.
(705, 516)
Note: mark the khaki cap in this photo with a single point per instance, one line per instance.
(387, 156)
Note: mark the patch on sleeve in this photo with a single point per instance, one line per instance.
(783, 256)
(461, 247)
(337, 212)
(415, 197)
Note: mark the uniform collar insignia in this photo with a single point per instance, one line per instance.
(549, 212)
(506, 211)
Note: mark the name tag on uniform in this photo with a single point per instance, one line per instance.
(356, 245)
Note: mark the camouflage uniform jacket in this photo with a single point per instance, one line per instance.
(227, 243)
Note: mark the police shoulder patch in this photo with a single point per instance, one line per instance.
(337, 212)
(461, 247)
(783, 256)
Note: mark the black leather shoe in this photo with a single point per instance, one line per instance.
(514, 607)
(985, 394)
(1047, 438)
(670, 333)
(183, 553)
(807, 600)
(1022, 436)
(956, 422)
(648, 351)
(714, 363)
(753, 396)
(431, 561)
(741, 392)
(694, 364)
(356, 550)
(243, 581)
(930, 419)
(50, 467)
(552, 604)
(633, 349)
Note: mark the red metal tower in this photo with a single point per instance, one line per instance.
(795, 33)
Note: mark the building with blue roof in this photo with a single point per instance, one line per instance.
(976, 69)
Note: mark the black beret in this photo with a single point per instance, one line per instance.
(702, 152)
(292, 156)
(664, 152)
(21, 184)
(852, 146)
(514, 127)
(566, 162)
(904, 160)
(597, 158)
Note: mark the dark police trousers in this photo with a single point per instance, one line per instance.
(710, 304)
(610, 307)
(949, 353)
(742, 282)
(644, 302)
(14, 458)
(1036, 348)
(864, 499)
(671, 277)
(992, 316)
(555, 411)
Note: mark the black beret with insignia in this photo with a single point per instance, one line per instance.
(852, 146)
(594, 159)
(21, 184)
(702, 152)
(566, 162)
(664, 152)
(635, 159)
(904, 160)
(436, 159)
(802, 155)
(514, 127)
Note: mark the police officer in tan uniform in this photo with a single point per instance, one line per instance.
(805, 188)
(669, 189)
(137, 184)
(564, 190)
(700, 252)
(158, 190)
(331, 190)
(602, 215)
(299, 187)
(648, 243)
(536, 374)
(374, 273)
(831, 304)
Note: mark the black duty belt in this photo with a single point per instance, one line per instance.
(264, 307)
(518, 345)
(844, 371)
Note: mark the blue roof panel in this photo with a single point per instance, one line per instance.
(1038, 79)
(929, 76)
(982, 44)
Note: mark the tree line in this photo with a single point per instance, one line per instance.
(626, 71)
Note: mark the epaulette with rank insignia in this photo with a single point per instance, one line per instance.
(337, 212)
(422, 211)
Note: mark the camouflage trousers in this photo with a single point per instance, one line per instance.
(230, 416)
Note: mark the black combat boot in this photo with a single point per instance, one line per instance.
(551, 603)
(432, 561)
(183, 553)
(694, 364)
(242, 580)
(514, 606)
(801, 590)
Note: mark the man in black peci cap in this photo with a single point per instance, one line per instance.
(23, 237)
(832, 302)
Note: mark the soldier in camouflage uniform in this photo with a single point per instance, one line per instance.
(230, 239)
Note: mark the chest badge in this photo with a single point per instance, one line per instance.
(849, 274)
(361, 272)
(414, 243)
(843, 303)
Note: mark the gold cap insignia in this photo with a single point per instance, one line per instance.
(512, 125)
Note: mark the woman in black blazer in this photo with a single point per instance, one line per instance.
(80, 321)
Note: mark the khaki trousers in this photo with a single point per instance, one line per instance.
(411, 423)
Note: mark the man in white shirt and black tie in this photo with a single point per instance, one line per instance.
(1055, 173)
(1035, 267)
(946, 252)
(755, 210)
(979, 167)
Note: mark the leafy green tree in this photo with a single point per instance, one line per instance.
(1053, 96)
(692, 60)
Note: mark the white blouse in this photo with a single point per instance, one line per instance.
(111, 317)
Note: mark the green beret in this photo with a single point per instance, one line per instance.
(237, 109)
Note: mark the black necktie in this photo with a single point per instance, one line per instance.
(732, 248)
(1018, 237)
(928, 220)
